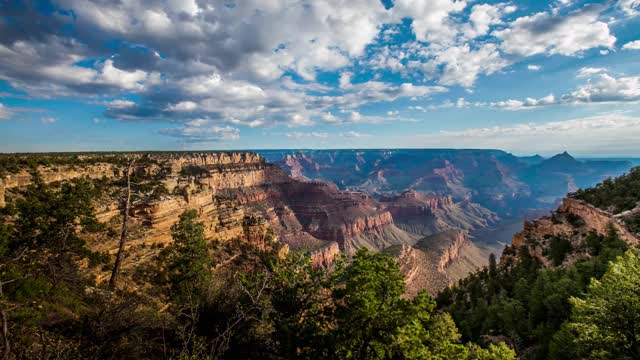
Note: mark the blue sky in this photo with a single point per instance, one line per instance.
(523, 76)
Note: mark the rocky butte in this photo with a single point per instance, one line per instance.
(428, 214)
(572, 221)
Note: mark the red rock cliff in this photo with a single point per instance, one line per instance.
(596, 219)
(325, 256)
(452, 251)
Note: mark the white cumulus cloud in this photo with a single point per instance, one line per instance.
(633, 45)
(483, 16)
(603, 88)
(630, 7)
(461, 65)
(547, 33)
(354, 134)
(201, 130)
(4, 112)
(300, 135)
(589, 71)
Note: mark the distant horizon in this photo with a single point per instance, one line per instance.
(520, 155)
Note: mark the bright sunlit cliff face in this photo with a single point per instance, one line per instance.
(525, 76)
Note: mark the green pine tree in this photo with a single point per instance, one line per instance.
(606, 322)
(188, 263)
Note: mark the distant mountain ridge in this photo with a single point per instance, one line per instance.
(500, 181)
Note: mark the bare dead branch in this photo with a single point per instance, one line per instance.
(123, 232)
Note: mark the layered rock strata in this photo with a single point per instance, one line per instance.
(438, 261)
(325, 255)
(428, 214)
(227, 190)
(58, 173)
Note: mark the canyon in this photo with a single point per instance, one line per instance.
(463, 204)
(502, 182)
(236, 196)
(421, 209)
(428, 214)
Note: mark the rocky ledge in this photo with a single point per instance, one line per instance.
(572, 221)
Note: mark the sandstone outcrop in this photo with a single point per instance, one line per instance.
(438, 261)
(409, 263)
(573, 221)
(325, 255)
(451, 251)
(596, 219)
(327, 213)
(57, 173)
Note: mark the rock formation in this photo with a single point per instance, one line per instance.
(325, 255)
(438, 261)
(428, 214)
(237, 195)
(506, 184)
(451, 251)
(58, 173)
(573, 221)
(596, 219)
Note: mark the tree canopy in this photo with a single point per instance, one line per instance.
(606, 322)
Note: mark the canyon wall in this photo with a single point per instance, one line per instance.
(205, 159)
(499, 181)
(327, 213)
(57, 173)
(428, 214)
(324, 256)
(596, 219)
(232, 193)
(452, 250)
(438, 261)
(412, 203)
(239, 196)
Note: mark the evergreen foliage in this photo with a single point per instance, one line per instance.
(189, 263)
(605, 324)
(47, 302)
(523, 300)
(616, 195)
